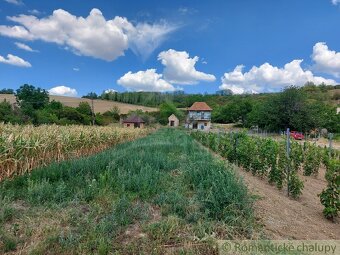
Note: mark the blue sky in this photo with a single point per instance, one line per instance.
(77, 46)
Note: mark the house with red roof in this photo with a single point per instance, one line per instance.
(199, 116)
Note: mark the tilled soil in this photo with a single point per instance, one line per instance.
(286, 218)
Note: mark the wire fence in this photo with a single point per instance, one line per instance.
(319, 138)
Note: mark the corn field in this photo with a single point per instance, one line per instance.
(23, 148)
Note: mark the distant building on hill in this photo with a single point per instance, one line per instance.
(173, 121)
(134, 122)
(199, 116)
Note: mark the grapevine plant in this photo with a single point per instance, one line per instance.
(268, 158)
(312, 162)
(279, 176)
(263, 157)
(330, 196)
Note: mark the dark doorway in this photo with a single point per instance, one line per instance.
(172, 123)
(194, 126)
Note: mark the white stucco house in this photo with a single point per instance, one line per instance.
(199, 116)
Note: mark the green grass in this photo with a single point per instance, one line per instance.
(162, 193)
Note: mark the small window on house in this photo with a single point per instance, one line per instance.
(128, 125)
(205, 124)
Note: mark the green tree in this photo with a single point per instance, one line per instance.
(297, 109)
(91, 95)
(84, 108)
(7, 114)
(45, 116)
(291, 108)
(72, 116)
(115, 112)
(6, 91)
(99, 119)
(30, 99)
(165, 110)
(112, 116)
(236, 111)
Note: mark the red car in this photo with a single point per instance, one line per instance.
(297, 135)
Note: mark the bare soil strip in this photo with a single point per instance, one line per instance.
(286, 218)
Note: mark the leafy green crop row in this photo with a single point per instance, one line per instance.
(268, 159)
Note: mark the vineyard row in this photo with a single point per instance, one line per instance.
(271, 160)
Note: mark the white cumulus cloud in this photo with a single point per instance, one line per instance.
(24, 47)
(16, 2)
(326, 61)
(110, 91)
(147, 80)
(16, 32)
(268, 78)
(335, 2)
(15, 61)
(180, 68)
(92, 36)
(63, 91)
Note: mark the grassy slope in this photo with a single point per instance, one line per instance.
(99, 105)
(142, 197)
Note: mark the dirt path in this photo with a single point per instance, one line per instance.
(285, 218)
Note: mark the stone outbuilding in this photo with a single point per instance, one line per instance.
(134, 122)
(173, 121)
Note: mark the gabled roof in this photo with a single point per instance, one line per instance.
(200, 106)
(172, 116)
(133, 119)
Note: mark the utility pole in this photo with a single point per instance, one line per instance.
(93, 116)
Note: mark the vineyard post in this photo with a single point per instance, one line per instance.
(288, 158)
(330, 136)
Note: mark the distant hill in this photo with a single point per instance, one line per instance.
(324, 93)
(100, 106)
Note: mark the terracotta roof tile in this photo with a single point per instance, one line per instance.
(200, 106)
